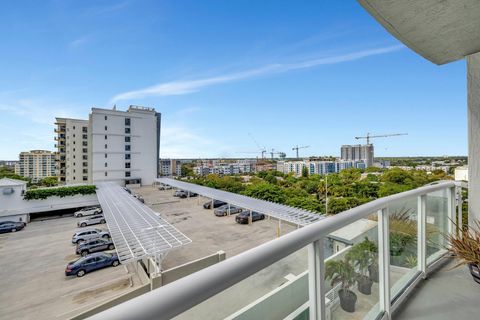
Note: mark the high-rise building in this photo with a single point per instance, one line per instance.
(124, 145)
(358, 153)
(36, 164)
(72, 150)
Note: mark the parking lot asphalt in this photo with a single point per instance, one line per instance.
(208, 232)
(32, 278)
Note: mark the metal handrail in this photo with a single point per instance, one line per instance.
(171, 300)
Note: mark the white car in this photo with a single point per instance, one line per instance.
(97, 219)
(89, 234)
(87, 212)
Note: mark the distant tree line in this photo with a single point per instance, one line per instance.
(347, 189)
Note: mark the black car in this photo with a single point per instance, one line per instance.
(10, 226)
(216, 204)
(90, 263)
(243, 217)
(96, 245)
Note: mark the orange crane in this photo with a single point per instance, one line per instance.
(368, 136)
(297, 147)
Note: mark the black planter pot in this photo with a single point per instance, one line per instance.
(347, 300)
(373, 273)
(365, 285)
(475, 272)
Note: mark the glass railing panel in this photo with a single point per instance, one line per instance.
(272, 293)
(437, 224)
(403, 235)
(351, 271)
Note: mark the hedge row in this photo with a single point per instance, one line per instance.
(34, 194)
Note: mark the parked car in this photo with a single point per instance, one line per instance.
(6, 222)
(178, 193)
(184, 194)
(242, 218)
(165, 187)
(139, 198)
(87, 212)
(90, 263)
(223, 210)
(95, 245)
(216, 204)
(91, 221)
(128, 190)
(89, 234)
(10, 226)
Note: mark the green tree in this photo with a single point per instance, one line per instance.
(49, 182)
(266, 191)
(305, 172)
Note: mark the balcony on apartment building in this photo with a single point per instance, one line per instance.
(360, 264)
(385, 259)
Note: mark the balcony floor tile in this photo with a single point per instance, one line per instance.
(446, 294)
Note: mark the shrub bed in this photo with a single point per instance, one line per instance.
(61, 192)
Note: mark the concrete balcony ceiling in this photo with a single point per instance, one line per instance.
(441, 31)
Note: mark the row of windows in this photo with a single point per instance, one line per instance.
(127, 130)
(127, 147)
(127, 139)
(127, 174)
(127, 120)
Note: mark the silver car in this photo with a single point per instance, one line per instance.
(223, 210)
(91, 221)
(89, 234)
(90, 211)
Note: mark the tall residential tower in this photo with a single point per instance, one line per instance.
(124, 145)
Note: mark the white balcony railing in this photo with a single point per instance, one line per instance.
(285, 278)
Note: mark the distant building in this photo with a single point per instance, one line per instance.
(171, 167)
(36, 164)
(124, 145)
(72, 142)
(113, 145)
(317, 167)
(358, 153)
(461, 173)
(8, 163)
(223, 167)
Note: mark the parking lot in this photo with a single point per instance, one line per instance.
(208, 232)
(33, 282)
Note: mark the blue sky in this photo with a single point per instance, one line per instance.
(312, 73)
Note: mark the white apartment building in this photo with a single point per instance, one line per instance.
(224, 168)
(36, 164)
(124, 145)
(72, 150)
(317, 167)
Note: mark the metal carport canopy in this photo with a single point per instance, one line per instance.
(275, 210)
(136, 230)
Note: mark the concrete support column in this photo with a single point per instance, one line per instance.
(473, 78)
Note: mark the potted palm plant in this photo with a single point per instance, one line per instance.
(363, 257)
(465, 245)
(342, 272)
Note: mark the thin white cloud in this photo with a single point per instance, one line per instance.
(182, 87)
(99, 10)
(79, 42)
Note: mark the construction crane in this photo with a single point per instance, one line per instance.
(263, 150)
(368, 136)
(280, 154)
(297, 148)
